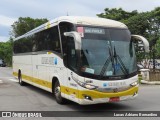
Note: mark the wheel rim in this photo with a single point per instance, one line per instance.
(57, 92)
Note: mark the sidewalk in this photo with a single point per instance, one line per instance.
(150, 82)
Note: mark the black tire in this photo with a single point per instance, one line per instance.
(20, 79)
(57, 93)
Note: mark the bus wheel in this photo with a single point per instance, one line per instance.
(20, 78)
(57, 93)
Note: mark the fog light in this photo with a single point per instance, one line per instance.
(87, 97)
(134, 84)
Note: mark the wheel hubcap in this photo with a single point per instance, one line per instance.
(57, 92)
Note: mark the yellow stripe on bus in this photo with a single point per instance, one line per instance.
(95, 94)
(80, 93)
(35, 80)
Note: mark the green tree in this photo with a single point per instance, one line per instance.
(117, 14)
(6, 52)
(138, 24)
(24, 25)
(19, 28)
(158, 48)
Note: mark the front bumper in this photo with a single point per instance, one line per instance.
(100, 97)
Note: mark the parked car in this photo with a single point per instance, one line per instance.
(2, 63)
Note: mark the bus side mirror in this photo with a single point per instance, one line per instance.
(77, 39)
(142, 42)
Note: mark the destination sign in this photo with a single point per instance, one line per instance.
(94, 30)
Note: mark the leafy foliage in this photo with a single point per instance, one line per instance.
(117, 14)
(19, 28)
(24, 25)
(6, 52)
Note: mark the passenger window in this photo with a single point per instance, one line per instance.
(47, 40)
(71, 55)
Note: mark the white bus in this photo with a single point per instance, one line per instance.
(83, 59)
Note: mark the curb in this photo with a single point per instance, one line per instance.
(150, 82)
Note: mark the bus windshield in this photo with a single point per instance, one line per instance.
(107, 52)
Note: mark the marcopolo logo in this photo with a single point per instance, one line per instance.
(55, 61)
(105, 84)
(49, 60)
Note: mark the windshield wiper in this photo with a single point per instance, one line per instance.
(114, 58)
(110, 58)
(117, 58)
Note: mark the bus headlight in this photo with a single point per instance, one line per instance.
(134, 84)
(88, 86)
(85, 85)
(91, 87)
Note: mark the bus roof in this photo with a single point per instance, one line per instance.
(93, 21)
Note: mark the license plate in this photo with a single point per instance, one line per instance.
(114, 99)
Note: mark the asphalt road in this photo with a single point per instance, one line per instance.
(14, 97)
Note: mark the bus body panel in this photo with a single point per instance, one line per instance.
(76, 93)
(39, 69)
(70, 89)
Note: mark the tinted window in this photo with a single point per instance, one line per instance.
(65, 27)
(44, 40)
(23, 45)
(47, 40)
(71, 55)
